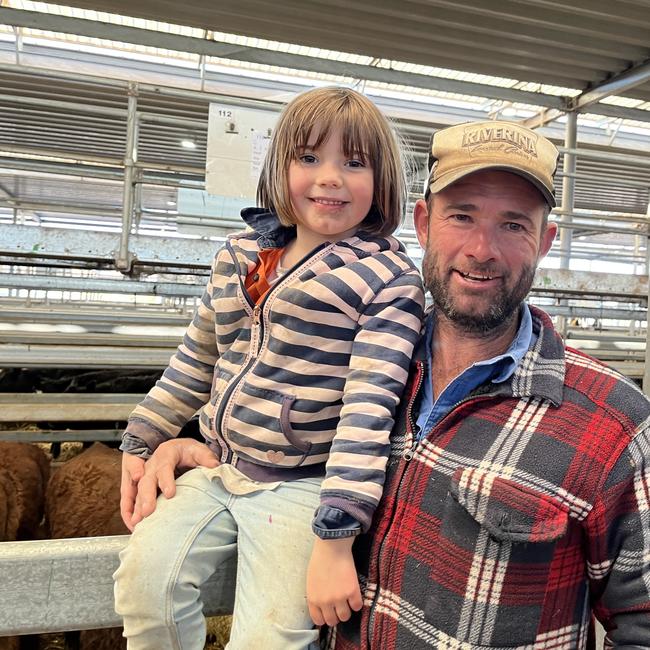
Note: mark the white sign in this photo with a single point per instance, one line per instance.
(238, 139)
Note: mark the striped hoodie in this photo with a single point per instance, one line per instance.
(305, 383)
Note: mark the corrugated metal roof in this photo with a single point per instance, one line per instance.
(43, 127)
(577, 44)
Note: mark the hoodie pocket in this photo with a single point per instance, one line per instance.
(259, 427)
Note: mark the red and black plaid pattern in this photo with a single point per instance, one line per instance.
(523, 511)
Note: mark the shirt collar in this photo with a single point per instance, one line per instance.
(542, 370)
(518, 348)
(503, 365)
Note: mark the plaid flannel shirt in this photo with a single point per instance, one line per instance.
(519, 515)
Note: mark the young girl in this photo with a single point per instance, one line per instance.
(296, 359)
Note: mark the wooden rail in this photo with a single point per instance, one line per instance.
(66, 407)
(28, 411)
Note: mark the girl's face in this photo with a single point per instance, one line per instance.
(331, 193)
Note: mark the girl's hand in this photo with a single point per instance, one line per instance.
(332, 584)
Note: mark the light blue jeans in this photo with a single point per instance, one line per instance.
(178, 547)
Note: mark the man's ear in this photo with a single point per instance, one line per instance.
(548, 237)
(421, 222)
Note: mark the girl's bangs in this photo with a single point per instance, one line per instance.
(358, 139)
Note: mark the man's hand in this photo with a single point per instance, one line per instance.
(332, 583)
(141, 480)
(132, 472)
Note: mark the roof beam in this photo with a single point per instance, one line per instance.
(553, 106)
(547, 115)
(616, 85)
(151, 38)
(542, 118)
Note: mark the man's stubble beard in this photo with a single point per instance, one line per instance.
(496, 317)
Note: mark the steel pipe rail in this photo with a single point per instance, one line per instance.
(124, 257)
(67, 407)
(642, 161)
(620, 335)
(16, 355)
(62, 154)
(575, 311)
(105, 316)
(146, 340)
(108, 315)
(54, 243)
(64, 435)
(66, 584)
(94, 285)
(86, 210)
(585, 252)
(165, 120)
(63, 105)
(59, 169)
(578, 214)
(595, 227)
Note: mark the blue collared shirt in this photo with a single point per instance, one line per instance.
(497, 369)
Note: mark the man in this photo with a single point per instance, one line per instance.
(516, 502)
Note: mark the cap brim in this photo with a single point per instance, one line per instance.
(448, 179)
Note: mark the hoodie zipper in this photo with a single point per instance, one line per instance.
(257, 334)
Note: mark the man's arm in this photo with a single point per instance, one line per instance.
(142, 479)
(619, 548)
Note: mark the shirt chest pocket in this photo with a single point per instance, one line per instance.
(496, 566)
(509, 511)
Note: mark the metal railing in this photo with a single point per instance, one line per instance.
(66, 584)
(110, 205)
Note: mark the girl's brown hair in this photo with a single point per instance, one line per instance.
(367, 134)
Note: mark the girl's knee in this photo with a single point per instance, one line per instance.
(138, 583)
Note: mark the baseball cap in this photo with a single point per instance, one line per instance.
(506, 146)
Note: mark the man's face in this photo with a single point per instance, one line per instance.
(482, 242)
